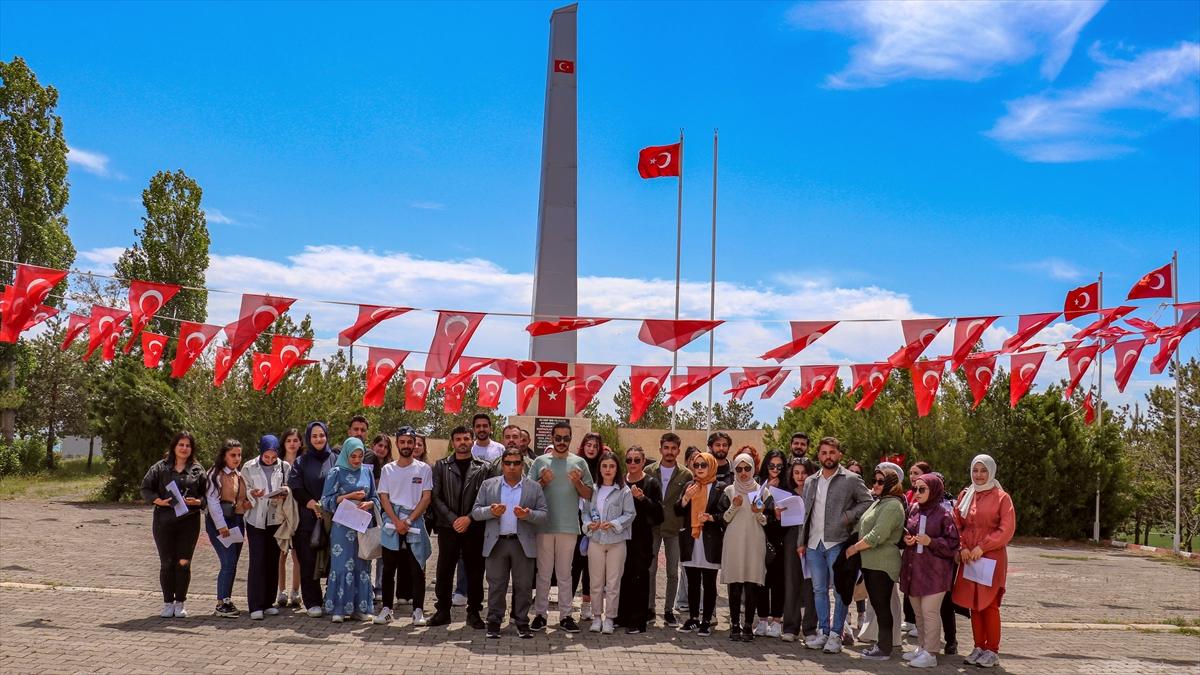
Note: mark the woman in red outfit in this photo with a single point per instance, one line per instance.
(986, 522)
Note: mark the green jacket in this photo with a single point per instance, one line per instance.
(882, 526)
(672, 522)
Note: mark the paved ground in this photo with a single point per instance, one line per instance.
(78, 593)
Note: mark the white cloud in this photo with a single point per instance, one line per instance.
(1073, 125)
(215, 216)
(941, 40)
(427, 206)
(91, 162)
(1055, 268)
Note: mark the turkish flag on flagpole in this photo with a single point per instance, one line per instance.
(589, 379)
(658, 161)
(1028, 325)
(258, 313)
(31, 284)
(967, 332)
(979, 369)
(153, 348)
(673, 335)
(369, 316)
(193, 338)
(223, 366)
(416, 389)
(926, 376)
(145, 299)
(814, 381)
(804, 333)
(1082, 300)
(1078, 361)
(644, 383)
(1157, 284)
(104, 321)
(562, 325)
(1127, 354)
(684, 385)
(918, 333)
(381, 365)
(1024, 369)
(450, 338)
(76, 323)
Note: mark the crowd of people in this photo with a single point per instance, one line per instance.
(796, 543)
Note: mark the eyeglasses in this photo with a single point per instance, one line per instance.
(775, 467)
(634, 460)
(742, 469)
(513, 463)
(922, 490)
(700, 466)
(562, 439)
(879, 481)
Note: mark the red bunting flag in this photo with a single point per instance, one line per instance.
(1166, 348)
(926, 377)
(1024, 368)
(814, 381)
(416, 389)
(1127, 354)
(102, 325)
(1028, 325)
(1189, 317)
(644, 384)
(42, 313)
(980, 369)
(153, 348)
(804, 333)
(30, 286)
(738, 385)
(658, 161)
(1078, 361)
(775, 384)
(552, 395)
(381, 365)
(515, 370)
(1067, 347)
(145, 299)
(1156, 284)
(1089, 409)
(193, 338)
(918, 333)
(589, 378)
(755, 376)
(467, 367)
(76, 323)
(490, 387)
(1107, 316)
(683, 385)
(286, 353)
(223, 365)
(562, 325)
(1082, 300)
(258, 313)
(673, 335)
(968, 331)
(452, 402)
(450, 338)
(260, 372)
(874, 381)
(369, 316)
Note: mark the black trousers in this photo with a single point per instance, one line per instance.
(799, 606)
(771, 593)
(699, 581)
(452, 546)
(910, 614)
(262, 577)
(949, 612)
(736, 592)
(175, 539)
(633, 612)
(310, 585)
(402, 565)
(579, 570)
(879, 592)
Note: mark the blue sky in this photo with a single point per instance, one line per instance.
(888, 159)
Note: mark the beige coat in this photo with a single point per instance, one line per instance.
(745, 550)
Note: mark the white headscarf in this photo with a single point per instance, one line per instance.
(964, 506)
(894, 468)
(747, 486)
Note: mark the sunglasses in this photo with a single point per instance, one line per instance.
(742, 469)
(922, 490)
(562, 439)
(700, 466)
(633, 460)
(775, 467)
(879, 481)
(513, 463)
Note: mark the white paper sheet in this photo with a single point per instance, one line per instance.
(981, 571)
(921, 530)
(181, 508)
(779, 495)
(793, 511)
(235, 537)
(351, 516)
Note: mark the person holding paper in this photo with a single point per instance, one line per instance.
(881, 528)
(175, 531)
(348, 591)
(266, 478)
(744, 562)
(986, 522)
(927, 565)
(770, 595)
(226, 496)
(799, 605)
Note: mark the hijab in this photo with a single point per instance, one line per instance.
(748, 486)
(936, 491)
(308, 446)
(709, 475)
(885, 467)
(964, 505)
(349, 447)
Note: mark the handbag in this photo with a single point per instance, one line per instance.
(317, 539)
(370, 545)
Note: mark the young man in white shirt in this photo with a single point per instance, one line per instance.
(405, 490)
(485, 449)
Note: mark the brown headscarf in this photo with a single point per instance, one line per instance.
(700, 504)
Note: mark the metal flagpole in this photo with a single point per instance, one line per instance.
(678, 254)
(1175, 296)
(712, 287)
(1099, 403)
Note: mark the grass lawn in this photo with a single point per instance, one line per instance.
(1162, 540)
(71, 479)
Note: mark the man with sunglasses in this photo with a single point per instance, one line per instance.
(565, 478)
(834, 500)
(511, 507)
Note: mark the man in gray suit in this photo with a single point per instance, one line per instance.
(511, 507)
(672, 476)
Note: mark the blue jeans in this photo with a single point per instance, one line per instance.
(227, 555)
(460, 585)
(820, 567)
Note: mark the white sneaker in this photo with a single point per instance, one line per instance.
(597, 625)
(988, 659)
(973, 657)
(585, 611)
(760, 628)
(923, 660)
(272, 611)
(281, 599)
(909, 656)
(914, 633)
(774, 629)
(906, 626)
(458, 600)
(833, 644)
(336, 618)
(418, 617)
(180, 611)
(314, 612)
(816, 641)
(256, 615)
(384, 616)
(607, 629)
(168, 610)
(788, 637)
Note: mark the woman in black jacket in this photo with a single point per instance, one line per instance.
(773, 473)
(175, 536)
(700, 539)
(635, 579)
(307, 482)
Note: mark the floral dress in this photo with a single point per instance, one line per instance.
(349, 587)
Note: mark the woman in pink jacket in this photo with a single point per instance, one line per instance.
(986, 522)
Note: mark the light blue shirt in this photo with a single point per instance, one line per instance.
(511, 498)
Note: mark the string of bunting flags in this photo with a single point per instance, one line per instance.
(22, 308)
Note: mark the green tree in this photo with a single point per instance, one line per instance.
(33, 194)
(56, 400)
(657, 415)
(172, 247)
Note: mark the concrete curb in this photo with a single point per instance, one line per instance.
(1156, 550)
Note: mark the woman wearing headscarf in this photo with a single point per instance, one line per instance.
(307, 483)
(927, 565)
(986, 522)
(348, 592)
(881, 529)
(703, 505)
(744, 565)
(770, 600)
(266, 476)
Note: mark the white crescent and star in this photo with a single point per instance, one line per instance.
(936, 378)
(289, 349)
(1084, 299)
(1125, 358)
(1027, 367)
(31, 286)
(873, 375)
(655, 161)
(1084, 363)
(384, 363)
(979, 374)
(103, 322)
(492, 386)
(931, 333)
(153, 295)
(419, 386)
(971, 326)
(383, 313)
(812, 338)
(594, 378)
(1161, 281)
(265, 309)
(454, 320)
(563, 67)
(652, 381)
